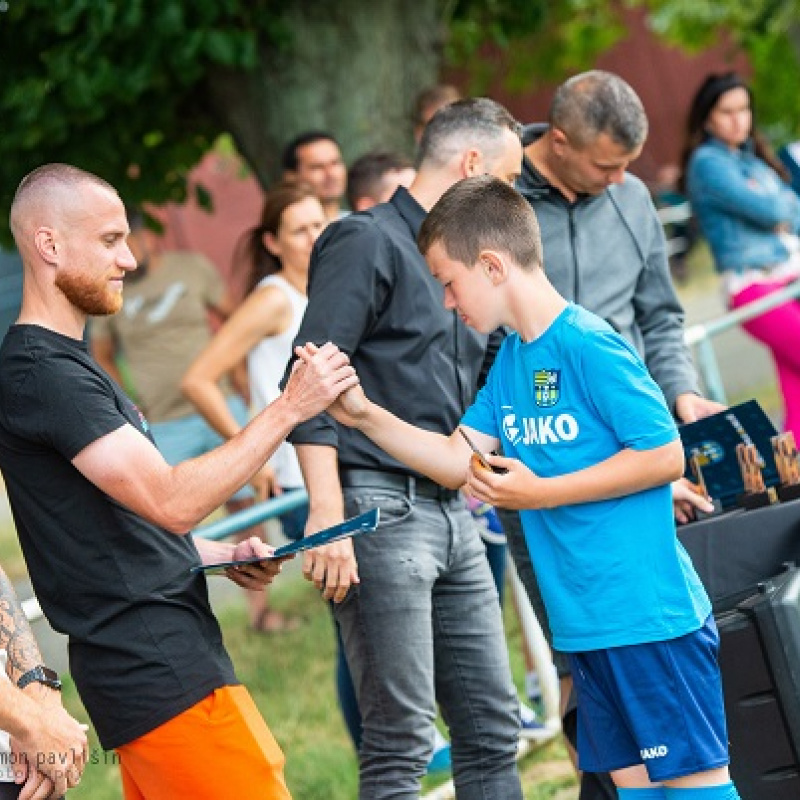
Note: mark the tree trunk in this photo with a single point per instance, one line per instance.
(348, 67)
(794, 38)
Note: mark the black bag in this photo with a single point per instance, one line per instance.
(760, 665)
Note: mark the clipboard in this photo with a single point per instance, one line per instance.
(355, 526)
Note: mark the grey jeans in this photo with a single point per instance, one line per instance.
(518, 547)
(424, 625)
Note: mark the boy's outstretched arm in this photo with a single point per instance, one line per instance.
(626, 472)
(444, 459)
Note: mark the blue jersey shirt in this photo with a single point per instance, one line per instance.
(611, 572)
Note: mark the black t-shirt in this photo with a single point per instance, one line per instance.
(144, 644)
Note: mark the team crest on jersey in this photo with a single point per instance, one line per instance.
(546, 387)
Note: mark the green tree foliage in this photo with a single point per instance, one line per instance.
(111, 85)
(138, 90)
(767, 30)
(540, 41)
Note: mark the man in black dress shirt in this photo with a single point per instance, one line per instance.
(416, 603)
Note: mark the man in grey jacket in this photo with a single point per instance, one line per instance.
(604, 249)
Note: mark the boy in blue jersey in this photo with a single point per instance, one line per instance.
(590, 450)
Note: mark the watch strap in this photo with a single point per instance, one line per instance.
(40, 674)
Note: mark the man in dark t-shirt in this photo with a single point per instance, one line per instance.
(104, 521)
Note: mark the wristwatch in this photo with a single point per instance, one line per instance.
(41, 674)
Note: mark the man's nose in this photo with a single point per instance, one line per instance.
(126, 259)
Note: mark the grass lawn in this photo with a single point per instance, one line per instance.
(290, 676)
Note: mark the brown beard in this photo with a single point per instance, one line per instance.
(91, 296)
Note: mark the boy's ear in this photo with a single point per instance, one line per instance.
(494, 265)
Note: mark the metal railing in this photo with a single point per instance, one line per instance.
(699, 336)
(531, 630)
(260, 512)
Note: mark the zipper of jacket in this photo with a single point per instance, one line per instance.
(576, 277)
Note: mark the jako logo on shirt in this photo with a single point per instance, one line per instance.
(649, 753)
(510, 426)
(539, 430)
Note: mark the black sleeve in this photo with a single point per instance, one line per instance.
(492, 349)
(349, 281)
(69, 406)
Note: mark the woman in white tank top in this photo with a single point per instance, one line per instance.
(277, 253)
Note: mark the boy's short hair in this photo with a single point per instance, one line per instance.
(483, 213)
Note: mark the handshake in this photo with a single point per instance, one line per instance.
(323, 379)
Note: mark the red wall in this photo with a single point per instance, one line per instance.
(237, 199)
(664, 77)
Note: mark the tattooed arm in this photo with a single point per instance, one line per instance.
(53, 744)
(16, 636)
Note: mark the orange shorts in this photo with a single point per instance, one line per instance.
(219, 748)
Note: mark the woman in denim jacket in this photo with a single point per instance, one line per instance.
(750, 217)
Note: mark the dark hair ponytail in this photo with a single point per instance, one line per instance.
(251, 255)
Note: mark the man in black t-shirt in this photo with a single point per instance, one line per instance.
(103, 519)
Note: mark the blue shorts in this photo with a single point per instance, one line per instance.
(191, 436)
(658, 703)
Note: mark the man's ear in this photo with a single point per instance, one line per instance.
(472, 163)
(46, 246)
(559, 140)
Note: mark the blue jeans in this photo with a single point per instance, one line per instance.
(424, 624)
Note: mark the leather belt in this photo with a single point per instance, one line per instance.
(410, 485)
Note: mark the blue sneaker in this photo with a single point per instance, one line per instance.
(488, 521)
(533, 728)
(440, 760)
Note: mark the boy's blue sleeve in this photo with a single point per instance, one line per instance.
(624, 394)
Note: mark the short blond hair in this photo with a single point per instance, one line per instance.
(42, 182)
